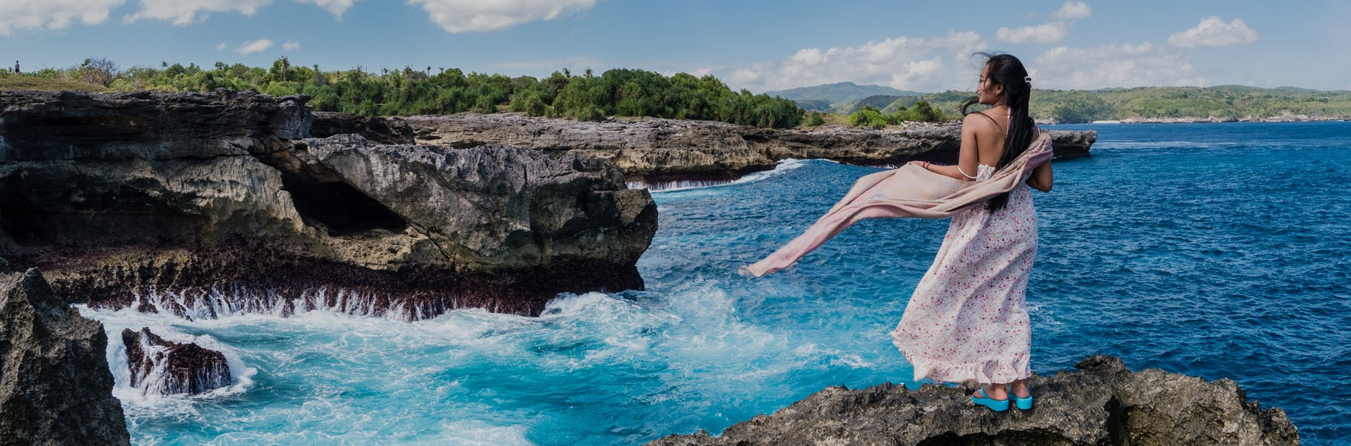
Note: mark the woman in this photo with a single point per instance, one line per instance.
(967, 319)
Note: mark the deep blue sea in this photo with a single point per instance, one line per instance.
(1216, 250)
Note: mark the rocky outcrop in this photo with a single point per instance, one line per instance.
(203, 204)
(55, 386)
(656, 150)
(377, 130)
(1102, 403)
(165, 367)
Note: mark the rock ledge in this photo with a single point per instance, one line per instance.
(203, 204)
(656, 151)
(1102, 403)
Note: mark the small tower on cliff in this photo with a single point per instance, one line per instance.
(16, 67)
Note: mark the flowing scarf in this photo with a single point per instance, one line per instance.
(909, 191)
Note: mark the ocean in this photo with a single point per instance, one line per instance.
(1214, 250)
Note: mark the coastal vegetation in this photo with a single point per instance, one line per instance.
(639, 93)
(618, 92)
(870, 116)
(1220, 103)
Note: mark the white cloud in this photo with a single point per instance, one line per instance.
(290, 45)
(255, 46)
(52, 14)
(186, 12)
(1107, 66)
(58, 14)
(221, 46)
(907, 63)
(461, 16)
(1044, 33)
(1214, 32)
(1073, 10)
(336, 7)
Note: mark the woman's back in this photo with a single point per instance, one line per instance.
(990, 134)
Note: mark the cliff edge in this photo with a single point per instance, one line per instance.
(202, 204)
(1101, 403)
(651, 150)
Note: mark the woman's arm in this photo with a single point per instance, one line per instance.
(968, 157)
(1042, 178)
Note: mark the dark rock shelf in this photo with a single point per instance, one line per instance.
(167, 202)
(1101, 403)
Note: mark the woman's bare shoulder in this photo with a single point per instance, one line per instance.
(979, 122)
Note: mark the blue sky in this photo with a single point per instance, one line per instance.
(758, 45)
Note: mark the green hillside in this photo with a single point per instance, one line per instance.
(880, 101)
(1227, 103)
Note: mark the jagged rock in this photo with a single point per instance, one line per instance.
(522, 207)
(196, 204)
(55, 386)
(656, 150)
(1103, 403)
(374, 129)
(164, 367)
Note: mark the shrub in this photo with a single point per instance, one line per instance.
(868, 117)
(815, 120)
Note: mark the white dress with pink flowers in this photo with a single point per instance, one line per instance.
(967, 319)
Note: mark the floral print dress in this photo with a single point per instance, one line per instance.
(967, 319)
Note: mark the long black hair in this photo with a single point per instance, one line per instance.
(1008, 71)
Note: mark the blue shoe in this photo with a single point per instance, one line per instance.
(1023, 403)
(996, 405)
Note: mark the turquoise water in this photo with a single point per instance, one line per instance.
(1217, 250)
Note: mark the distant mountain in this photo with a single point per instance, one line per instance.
(820, 96)
(879, 102)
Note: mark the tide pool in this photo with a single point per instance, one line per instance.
(1215, 250)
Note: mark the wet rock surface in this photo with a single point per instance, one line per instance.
(196, 204)
(658, 150)
(1101, 403)
(55, 386)
(165, 367)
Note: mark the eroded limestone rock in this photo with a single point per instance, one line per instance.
(194, 204)
(1102, 403)
(55, 386)
(659, 150)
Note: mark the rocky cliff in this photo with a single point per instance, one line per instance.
(1102, 403)
(657, 150)
(198, 204)
(55, 386)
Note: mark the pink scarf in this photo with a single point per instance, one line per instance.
(909, 191)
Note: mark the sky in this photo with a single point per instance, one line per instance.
(757, 45)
